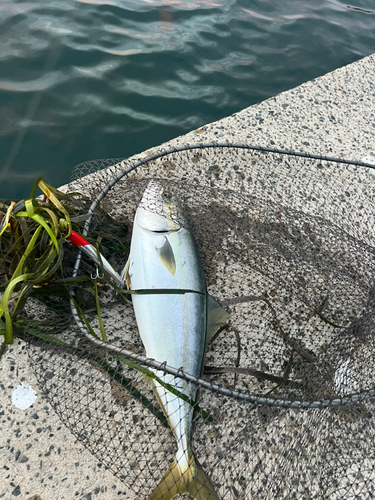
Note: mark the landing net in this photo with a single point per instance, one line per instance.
(286, 400)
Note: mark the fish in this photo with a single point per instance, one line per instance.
(174, 328)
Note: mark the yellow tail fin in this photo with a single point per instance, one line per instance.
(193, 481)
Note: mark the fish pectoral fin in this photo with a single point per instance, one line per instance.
(190, 480)
(125, 274)
(166, 256)
(217, 316)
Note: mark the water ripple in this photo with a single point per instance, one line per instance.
(44, 83)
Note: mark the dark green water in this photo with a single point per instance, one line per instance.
(85, 79)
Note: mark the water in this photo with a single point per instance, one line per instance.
(85, 79)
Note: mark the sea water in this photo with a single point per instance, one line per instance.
(86, 79)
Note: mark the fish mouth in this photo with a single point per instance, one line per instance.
(158, 210)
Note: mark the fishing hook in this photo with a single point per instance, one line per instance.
(97, 274)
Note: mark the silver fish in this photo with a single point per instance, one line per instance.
(174, 328)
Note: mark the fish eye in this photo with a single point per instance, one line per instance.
(165, 194)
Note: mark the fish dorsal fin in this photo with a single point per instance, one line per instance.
(166, 255)
(217, 316)
(125, 274)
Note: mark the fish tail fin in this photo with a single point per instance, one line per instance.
(201, 487)
(192, 480)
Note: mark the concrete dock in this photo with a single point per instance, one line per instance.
(333, 115)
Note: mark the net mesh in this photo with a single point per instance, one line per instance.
(286, 401)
